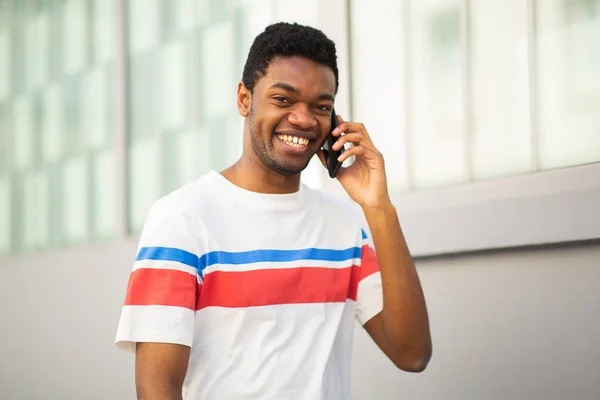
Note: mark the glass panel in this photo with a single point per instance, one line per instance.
(74, 35)
(217, 10)
(202, 12)
(104, 209)
(436, 139)
(104, 30)
(29, 211)
(144, 95)
(369, 19)
(144, 24)
(23, 132)
(235, 139)
(219, 80)
(52, 123)
(76, 200)
(144, 181)
(188, 13)
(187, 157)
(18, 48)
(74, 138)
(568, 73)
(37, 34)
(500, 97)
(95, 118)
(179, 16)
(57, 204)
(5, 214)
(35, 213)
(5, 138)
(5, 64)
(256, 16)
(173, 78)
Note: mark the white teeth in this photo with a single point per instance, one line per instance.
(293, 141)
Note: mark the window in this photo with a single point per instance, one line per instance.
(184, 61)
(499, 89)
(61, 136)
(568, 82)
(56, 123)
(381, 104)
(437, 132)
(479, 99)
(471, 102)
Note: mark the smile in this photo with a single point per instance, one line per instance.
(293, 141)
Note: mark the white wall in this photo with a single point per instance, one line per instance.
(510, 325)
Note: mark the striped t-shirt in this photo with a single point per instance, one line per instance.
(264, 288)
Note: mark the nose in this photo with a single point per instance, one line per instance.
(302, 117)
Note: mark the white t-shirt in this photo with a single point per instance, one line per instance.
(264, 289)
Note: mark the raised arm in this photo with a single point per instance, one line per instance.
(401, 330)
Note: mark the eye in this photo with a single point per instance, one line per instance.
(281, 99)
(324, 108)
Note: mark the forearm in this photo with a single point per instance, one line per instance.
(160, 370)
(159, 391)
(404, 315)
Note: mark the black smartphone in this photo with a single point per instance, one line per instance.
(331, 156)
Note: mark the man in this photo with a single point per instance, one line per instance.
(247, 283)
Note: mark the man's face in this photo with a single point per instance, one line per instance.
(290, 113)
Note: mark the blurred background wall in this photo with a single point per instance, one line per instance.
(488, 115)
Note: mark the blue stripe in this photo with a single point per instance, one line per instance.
(364, 234)
(168, 254)
(245, 257)
(255, 256)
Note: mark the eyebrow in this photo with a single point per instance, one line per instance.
(290, 88)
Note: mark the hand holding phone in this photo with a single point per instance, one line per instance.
(331, 156)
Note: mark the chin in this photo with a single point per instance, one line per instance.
(287, 169)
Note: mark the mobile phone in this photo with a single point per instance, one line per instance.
(331, 156)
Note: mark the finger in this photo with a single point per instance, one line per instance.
(321, 156)
(350, 127)
(354, 138)
(354, 151)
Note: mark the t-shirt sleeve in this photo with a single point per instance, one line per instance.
(369, 298)
(164, 284)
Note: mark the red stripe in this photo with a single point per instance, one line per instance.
(275, 286)
(369, 263)
(368, 266)
(165, 287)
(355, 278)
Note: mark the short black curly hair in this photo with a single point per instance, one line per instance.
(283, 39)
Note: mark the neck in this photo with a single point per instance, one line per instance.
(254, 176)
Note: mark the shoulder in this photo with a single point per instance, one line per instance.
(187, 204)
(338, 206)
(177, 219)
(188, 199)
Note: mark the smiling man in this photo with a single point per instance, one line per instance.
(247, 283)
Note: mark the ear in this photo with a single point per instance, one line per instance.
(244, 97)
